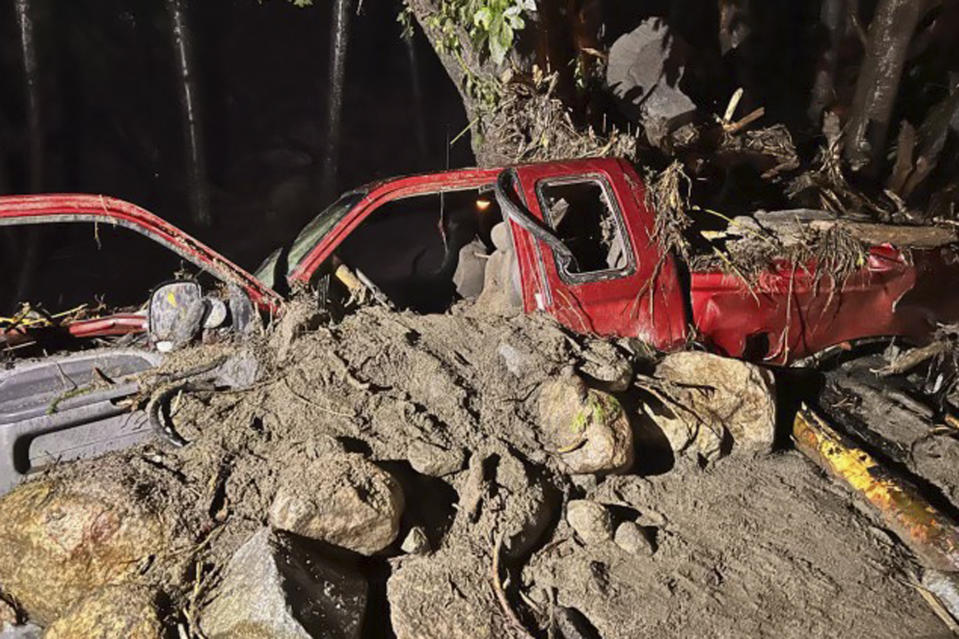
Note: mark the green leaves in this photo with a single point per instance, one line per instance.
(495, 23)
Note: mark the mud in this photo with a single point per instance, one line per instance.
(749, 545)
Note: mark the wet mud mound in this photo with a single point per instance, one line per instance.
(460, 475)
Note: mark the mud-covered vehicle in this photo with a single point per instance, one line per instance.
(576, 240)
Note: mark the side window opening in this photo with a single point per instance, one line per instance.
(426, 252)
(101, 266)
(584, 218)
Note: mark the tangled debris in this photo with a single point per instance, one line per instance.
(459, 475)
(531, 124)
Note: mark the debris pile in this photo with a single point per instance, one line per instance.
(459, 475)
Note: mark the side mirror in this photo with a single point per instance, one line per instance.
(176, 314)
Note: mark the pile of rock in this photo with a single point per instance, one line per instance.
(75, 557)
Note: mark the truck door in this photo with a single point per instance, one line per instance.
(611, 278)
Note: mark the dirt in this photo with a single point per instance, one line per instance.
(748, 545)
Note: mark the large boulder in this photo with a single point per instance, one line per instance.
(342, 499)
(644, 71)
(113, 611)
(284, 587)
(60, 541)
(585, 428)
(716, 405)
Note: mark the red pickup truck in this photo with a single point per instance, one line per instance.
(573, 239)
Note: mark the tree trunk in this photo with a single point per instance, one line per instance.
(31, 247)
(416, 88)
(549, 40)
(196, 176)
(339, 47)
(832, 19)
(887, 48)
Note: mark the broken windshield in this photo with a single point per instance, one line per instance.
(311, 234)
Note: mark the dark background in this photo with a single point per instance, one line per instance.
(112, 125)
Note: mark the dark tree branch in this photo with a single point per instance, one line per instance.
(832, 18)
(887, 48)
(932, 138)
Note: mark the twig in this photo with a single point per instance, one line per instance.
(310, 402)
(516, 624)
(736, 127)
(731, 107)
(913, 358)
(937, 607)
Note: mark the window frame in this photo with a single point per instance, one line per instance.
(589, 276)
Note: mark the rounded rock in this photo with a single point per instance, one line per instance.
(341, 499)
(590, 520)
(630, 537)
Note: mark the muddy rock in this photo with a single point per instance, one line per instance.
(435, 461)
(524, 506)
(590, 520)
(281, 586)
(61, 541)
(586, 429)
(341, 499)
(717, 404)
(630, 537)
(113, 611)
(444, 596)
(609, 367)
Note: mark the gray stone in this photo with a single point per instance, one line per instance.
(590, 520)
(715, 397)
(515, 360)
(644, 71)
(630, 537)
(23, 631)
(281, 586)
(435, 461)
(945, 587)
(470, 270)
(341, 499)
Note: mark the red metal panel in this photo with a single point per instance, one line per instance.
(800, 313)
(647, 303)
